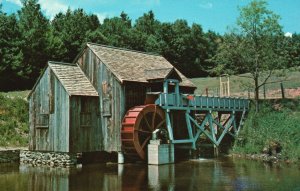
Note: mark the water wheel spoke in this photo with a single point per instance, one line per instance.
(143, 131)
(153, 120)
(145, 142)
(147, 122)
(160, 124)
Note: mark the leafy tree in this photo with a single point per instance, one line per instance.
(292, 45)
(184, 46)
(255, 46)
(145, 34)
(147, 23)
(199, 51)
(34, 28)
(117, 31)
(11, 56)
(55, 48)
(75, 28)
(213, 42)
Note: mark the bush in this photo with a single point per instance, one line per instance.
(14, 126)
(275, 126)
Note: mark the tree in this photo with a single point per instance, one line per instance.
(34, 28)
(117, 31)
(292, 45)
(147, 23)
(184, 46)
(11, 56)
(75, 28)
(255, 46)
(213, 42)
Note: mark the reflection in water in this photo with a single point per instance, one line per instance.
(213, 174)
(161, 177)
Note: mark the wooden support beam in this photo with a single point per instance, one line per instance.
(169, 126)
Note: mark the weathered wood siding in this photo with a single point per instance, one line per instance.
(49, 115)
(59, 120)
(38, 106)
(85, 131)
(111, 100)
(135, 94)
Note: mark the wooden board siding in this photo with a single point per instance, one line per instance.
(111, 99)
(85, 131)
(135, 94)
(49, 129)
(59, 120)
(39, 107)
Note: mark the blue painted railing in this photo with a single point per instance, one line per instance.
(193, 102)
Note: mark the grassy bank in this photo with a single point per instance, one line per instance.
(274, 130)
(238, 83)
(14, 119)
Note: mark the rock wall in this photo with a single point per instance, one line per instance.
(9, 156)
(52, 159)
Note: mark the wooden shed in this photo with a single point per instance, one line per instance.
(79, 107)
(63, 111)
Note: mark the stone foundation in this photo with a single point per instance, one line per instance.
(9, 156)
(52, 159)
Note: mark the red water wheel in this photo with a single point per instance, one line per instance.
(137, 127)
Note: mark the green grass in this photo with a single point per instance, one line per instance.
(240, 83)
(276, 124)
(14, 126)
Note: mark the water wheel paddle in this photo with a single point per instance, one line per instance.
(137, 127)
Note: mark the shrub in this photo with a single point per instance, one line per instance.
(275, 126)
(14, 126)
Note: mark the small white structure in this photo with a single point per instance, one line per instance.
(224, 86)
(160, 153)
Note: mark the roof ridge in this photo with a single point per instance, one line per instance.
(170, 68)
(61, 63)
(125, 49)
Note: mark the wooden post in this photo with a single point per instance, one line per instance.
(264, 91)
(248, 93)
(224, 86)
(228, 86)
(221, 89)
(216, 151)
(282, 90)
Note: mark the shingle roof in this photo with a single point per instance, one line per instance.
(161, 74)
(157, 73)
(73, 79)
(128, 65)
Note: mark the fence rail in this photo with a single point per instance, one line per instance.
(269, 91)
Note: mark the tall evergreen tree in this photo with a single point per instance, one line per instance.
(75, 28)
(213, 41)
(11, 56)
(34, 28)
(117, 30)
(147, 23)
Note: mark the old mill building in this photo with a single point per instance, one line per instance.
(79, 106)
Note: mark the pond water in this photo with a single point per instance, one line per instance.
(199, 174)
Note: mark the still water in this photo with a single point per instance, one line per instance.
(203, 174)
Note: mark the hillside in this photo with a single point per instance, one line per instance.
(239, 85)
(13, 119)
